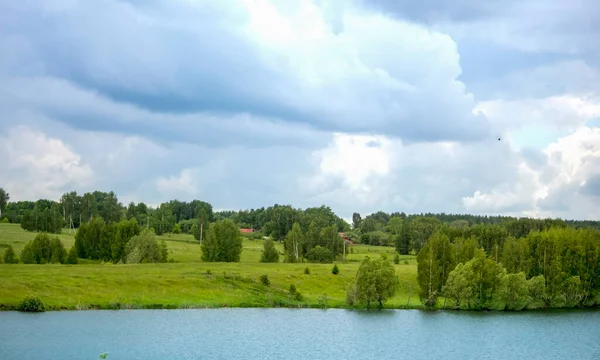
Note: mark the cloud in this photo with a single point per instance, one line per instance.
(559, 188)
(392, 106)
(35, 166)
(279, 63)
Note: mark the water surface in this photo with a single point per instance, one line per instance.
(299, 334)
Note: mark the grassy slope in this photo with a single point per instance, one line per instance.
(187, 283)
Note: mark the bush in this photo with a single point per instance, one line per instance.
(144, 248)
(397, 259)
(335, 270)
(320, 254)
(176, 229)
(293, 289)
(72, 256)
(323, 302)
(405, 262)
(269, 253)
(306, 271)
(264, 279)
(9, 256)
(351, 294)
(5, 220)
(43, 250)
(32, 304)
(295, 294)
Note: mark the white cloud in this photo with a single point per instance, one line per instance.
(35, 166)
(183, 183)
(555, 188)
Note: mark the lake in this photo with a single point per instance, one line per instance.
(300, 334)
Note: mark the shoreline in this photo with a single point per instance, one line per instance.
(119, 307)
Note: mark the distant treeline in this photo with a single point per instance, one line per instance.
(408, 233)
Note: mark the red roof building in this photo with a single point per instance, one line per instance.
(244, 230)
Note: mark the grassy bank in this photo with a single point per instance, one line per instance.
(188, 283)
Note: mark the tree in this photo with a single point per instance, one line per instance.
(375, 281)
(331, 239)
(223, 242)
(293, 244)
(434, 263)
(269, 253)
(9, 256)
(514, 291)
(4, 198)
(356, 219)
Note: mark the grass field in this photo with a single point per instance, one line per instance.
(188, 282)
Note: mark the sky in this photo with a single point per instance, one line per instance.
(362, 105)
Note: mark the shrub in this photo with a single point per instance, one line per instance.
(269, 253)
(405, 262)
(397, 259)
(144, 248)
(72, 256)
(9, 256)
(351, 294)
(320, 254)
(176, 229)
(306, 271)
(32, 304)
(323, 302)
(5, 220)
(295, 294)
(335, 270)
(43, 250)
(264, 279)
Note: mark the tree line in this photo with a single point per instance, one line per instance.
(549, 268)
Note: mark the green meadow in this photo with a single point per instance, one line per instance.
(189, 282)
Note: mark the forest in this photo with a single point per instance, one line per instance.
(469, 261)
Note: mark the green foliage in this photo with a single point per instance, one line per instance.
(514, 291)
(176, 229)
(293, 244)
(323, 301)
(434, 263)
(375, 281)
(43, 250)
(269, 253)
(295, 294)
(319, 254)
(478, 284)
(335, 270)
(223, 242)
(264, 279)
(72, 256)
(9, 256)
(144, 248)
(5, 220)
(103, 356)
(306, 271)
(376, 238)
(32, 304)
(331, 239)
(396, 258)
